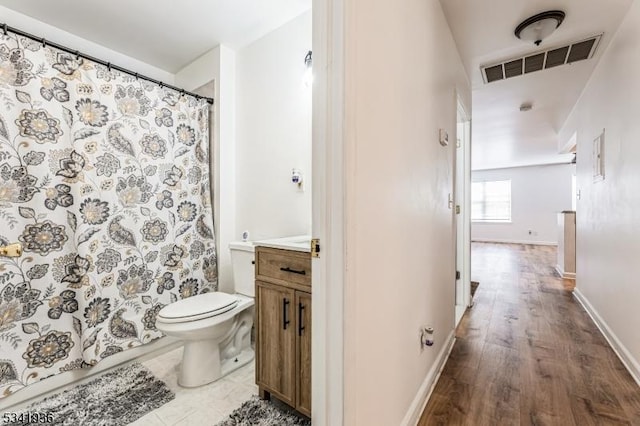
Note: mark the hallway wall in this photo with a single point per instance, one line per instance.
(538, 193)
(608, 230)
(399, 229)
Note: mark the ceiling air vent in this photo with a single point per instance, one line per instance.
(556, 57)
(513, 68)
(533, 63)
(539, 61)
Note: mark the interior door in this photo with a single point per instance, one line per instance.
(459, 205)
(275, 340)
(303, 352)
(462, 214)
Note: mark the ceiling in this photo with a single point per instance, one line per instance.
(502, 135)
(168, 34)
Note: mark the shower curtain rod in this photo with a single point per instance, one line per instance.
(109, 65)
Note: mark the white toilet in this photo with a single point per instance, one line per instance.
(215, 327)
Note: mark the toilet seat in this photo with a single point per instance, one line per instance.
(197, 307)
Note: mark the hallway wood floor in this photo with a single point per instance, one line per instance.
(528, 354)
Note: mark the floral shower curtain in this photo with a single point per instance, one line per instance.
(104, 182)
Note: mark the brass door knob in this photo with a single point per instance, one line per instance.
(11, 250)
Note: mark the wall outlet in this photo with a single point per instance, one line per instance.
(426, 336)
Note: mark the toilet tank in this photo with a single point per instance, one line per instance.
(242, 262)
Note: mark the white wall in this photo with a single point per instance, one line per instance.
(56, 35)
(273, 133)
(402, 71)
(201, 71)
(608, 229)
(262, 129)
(538, 193)
(218, 66)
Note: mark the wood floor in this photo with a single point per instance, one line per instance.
(528, 354)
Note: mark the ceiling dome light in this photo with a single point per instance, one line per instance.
(540, 26)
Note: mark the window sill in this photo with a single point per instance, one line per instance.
(493, 222)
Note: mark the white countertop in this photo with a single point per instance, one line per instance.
(296, 243)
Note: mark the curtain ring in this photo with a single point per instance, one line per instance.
(109, 66)
(4, 29)
(136, 75)
(77, 55)
(44, 42)
(182, 93)
(161, 85)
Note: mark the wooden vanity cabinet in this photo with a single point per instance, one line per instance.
(283, 326)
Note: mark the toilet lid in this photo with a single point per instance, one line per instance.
(201, 305)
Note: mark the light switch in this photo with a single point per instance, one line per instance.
(444, 137)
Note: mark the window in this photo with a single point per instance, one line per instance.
(491, 201)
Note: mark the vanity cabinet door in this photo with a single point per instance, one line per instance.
(303, 352)
(276, 340)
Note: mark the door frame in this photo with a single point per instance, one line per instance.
(464, 118)
(328, 213)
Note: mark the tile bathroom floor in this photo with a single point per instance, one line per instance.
(204, 405)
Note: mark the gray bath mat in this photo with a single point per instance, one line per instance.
(257, 412)
(116, 398)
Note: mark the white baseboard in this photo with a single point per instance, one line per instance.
(37, 390)
(623, 353)
(426, 388)
(501, 241)
(565, 275)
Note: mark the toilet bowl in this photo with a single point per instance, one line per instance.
(215, 327)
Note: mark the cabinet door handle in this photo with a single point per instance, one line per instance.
(285, 321)
(293, 271)
(300, 326)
